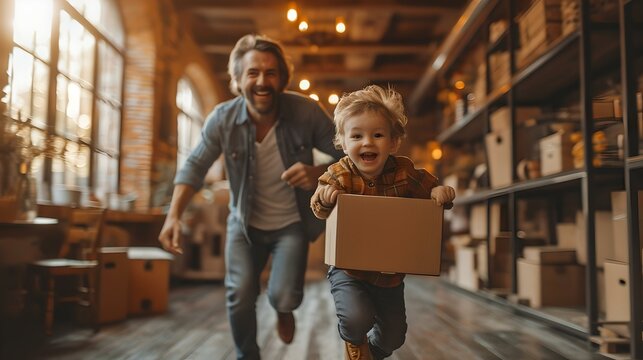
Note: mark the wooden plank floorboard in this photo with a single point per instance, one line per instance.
(444, 323)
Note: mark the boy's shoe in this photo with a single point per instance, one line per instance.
(357, 352)
(286, 326)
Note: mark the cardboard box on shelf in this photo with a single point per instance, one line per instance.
(538, 26)
(499, 158)
(478, 221)
(549, 255)
(555, 154)
(466, 266)
(603, 237)
(617, 289)
(113, 284)
(359, 234)
(617, 294)
(149, 280)
(566, 235)
(619, 226)
(551, 285)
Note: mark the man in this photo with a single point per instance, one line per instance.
(267, 137)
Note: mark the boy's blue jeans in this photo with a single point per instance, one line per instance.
(366, 310)
(245, 261)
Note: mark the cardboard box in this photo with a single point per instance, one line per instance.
(549, 255)
(603, 237)
(566, 235)
(555, 154)
(149, 280)
(386, 234)
(551, 285)
(466, 267)
(113, 284)
(499, 158)
(617, 291)
(619, 226)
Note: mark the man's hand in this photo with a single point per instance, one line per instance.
(303, 176)
(170, 236)
(443, 195)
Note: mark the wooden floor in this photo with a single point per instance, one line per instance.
(444, 323)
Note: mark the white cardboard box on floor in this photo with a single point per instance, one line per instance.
(386, 234)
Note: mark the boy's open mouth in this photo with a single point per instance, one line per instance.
(368, 156)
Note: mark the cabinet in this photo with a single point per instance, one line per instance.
(539, 112)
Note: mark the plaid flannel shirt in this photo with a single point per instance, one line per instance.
(399, 178)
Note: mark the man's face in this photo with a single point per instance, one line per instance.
(260, 82)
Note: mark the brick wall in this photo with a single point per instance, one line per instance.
(159, 52)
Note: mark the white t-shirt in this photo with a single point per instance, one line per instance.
(274, 205)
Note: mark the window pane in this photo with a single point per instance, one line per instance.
(108, 128)
(40, 94)
(61, 104)
(63, 42)
(82, 165)
(111, 63)
(105, 174)
(71, 156)
(84, 121)
(22, 70)
(87, 71)
(72, 111)
(31, 28)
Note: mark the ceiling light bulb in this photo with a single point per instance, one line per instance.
(333, 99)
(304, 84)
(314, 96)
(459, 84)
(436, 154)
(340, 26)
(291, 15)
(303, 26)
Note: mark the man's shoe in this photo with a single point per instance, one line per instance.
(357, 352)
(286, 326)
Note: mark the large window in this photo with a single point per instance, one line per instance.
(69, 88)
(190, 119)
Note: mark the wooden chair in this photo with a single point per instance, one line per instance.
(77, 259)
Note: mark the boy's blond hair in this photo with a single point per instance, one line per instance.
(387, 103)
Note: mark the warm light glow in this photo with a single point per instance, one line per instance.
(459, 85)
(314, 96)
(333, 99)
(340, 26)
(303, 25)
(291, 15)
(304, 84)
(436, 154)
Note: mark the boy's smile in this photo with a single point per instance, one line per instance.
(368, 142)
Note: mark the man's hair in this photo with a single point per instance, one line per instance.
(260, 43)
(387, 103)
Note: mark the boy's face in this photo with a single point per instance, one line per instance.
(260, 82)
(368, 142)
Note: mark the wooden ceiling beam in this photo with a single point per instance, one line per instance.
(335, 49)
(218, 10)
(340, 75)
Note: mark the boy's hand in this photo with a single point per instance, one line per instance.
(443, 194)
(328, 196)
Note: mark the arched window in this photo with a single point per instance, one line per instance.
(190, 119)
(66, 76)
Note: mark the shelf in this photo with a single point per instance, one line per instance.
(548, 183)
(635, 162)
(558, 68)
(555, 70)
(472, 125)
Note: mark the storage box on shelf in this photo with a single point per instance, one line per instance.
(538, 26)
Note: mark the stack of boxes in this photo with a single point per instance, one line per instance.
(539, 26)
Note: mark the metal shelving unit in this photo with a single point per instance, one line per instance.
(570, 64)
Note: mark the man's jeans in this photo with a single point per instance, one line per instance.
(245, 261)
(366, 310)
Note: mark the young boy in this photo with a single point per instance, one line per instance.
(369, 126)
